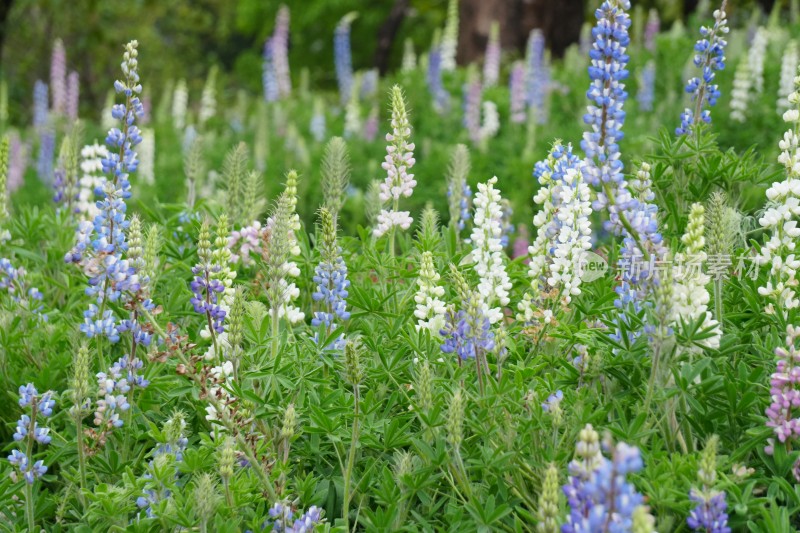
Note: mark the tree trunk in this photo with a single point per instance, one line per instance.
(559, 20)
(387, 34)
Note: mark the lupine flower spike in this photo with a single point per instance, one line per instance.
(100, 247)
(430, 308)
(647, 80)
(58, 78)
(563, 235)
(755, 57)
(633, 218)
(207, 288)
(282, 518)
(398, 161)
(548, 511)
(710, 58)
(516, 90)
(780, 219)
(690, 297)
(441, 98)
(783, 414)
(709, 515)
(342, 57)
(330, 276)
(599, 495)
(740, 94)
(459, 193)
(4, 144)
(450, 37)
(280, 43)
(491, 61)
(537, 77)
(27, 433)
(409, 62)
(488, 253)
(473, 94)
(789, 63)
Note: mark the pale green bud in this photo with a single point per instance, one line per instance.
(547, 513)
(289, 423)
(455, 420)
(335, 175)
(642, 520)
(206, 497)
(354, 374)
(204, 243)
(424, 388)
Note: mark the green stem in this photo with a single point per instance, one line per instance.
(228, 496)
(128, 426)
(718, 299)
(351, 459)
(653, 372)
(395, 206)
(275, 333)
(29, 508)
(461, 474)
(81, 455)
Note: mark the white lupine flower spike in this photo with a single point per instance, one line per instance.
(488, 253)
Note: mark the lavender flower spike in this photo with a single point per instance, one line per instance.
(783, 414)
(342, 57)
(491, 61)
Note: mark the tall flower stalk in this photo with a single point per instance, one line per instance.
(280, 50)
(491, 61)
(783, 414)
(58, 78)
(563, 235)
(789, 63)
(450, 37)
(459, 194)
(100, 249)
(780, 220)
(691, 298)
(207, 288)
(398, 161)
(632, 218)
(332, 283)
(709, 514)
(343, 58)
(430, 308)
(537, 77)
(27, 433)
(335, 175)
(280, 267)
(488, 253)
(516, 91)
(441, 98)
(600, 497)
(710, 58)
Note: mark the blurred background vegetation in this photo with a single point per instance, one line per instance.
(184, 38)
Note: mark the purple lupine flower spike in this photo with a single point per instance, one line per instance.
(28, 431)
(710, 57)
(343, 58)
